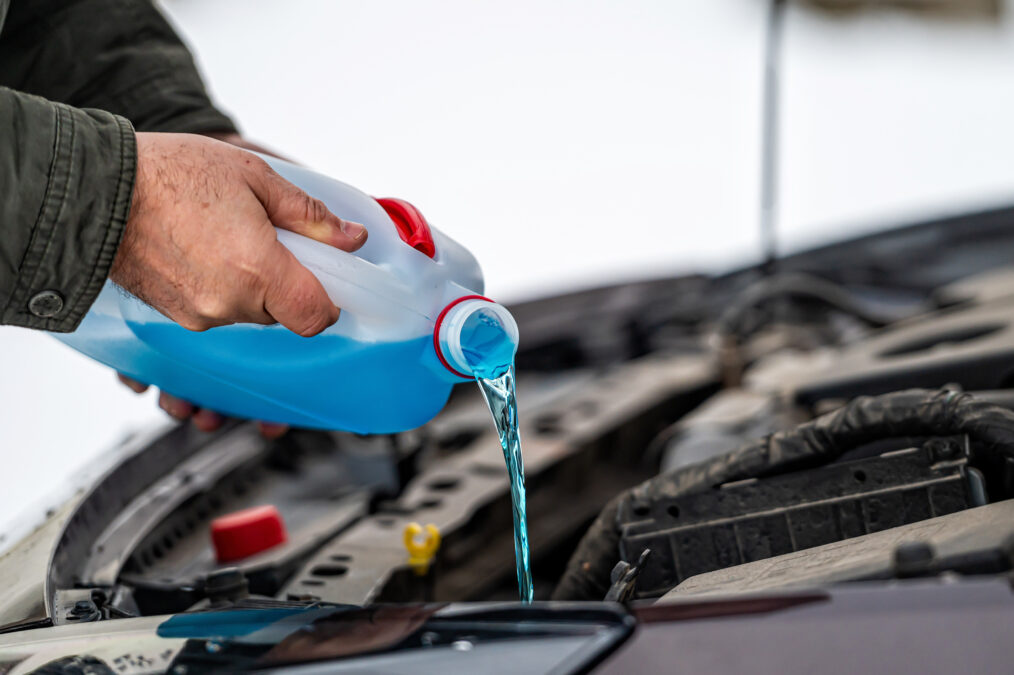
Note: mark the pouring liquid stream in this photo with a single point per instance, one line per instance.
(499, 395)
(491, 355)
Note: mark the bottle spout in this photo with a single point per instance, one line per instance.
(476, 337)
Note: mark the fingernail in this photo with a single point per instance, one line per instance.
(354, 230)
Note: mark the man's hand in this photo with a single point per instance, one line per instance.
(200, 246)
(200, 242)
(204, 419)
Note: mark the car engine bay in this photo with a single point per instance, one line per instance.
(843, 414)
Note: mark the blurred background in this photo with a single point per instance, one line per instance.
(572, 144)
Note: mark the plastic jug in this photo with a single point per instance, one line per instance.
(413, 323)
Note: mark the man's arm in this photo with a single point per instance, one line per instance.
(66, 177)
(116, 55)
(123, 57)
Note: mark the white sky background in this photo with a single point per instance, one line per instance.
(568, 144)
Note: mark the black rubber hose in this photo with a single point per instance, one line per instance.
(915, 412)
(806, 286)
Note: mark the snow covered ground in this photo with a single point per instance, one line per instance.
(567, 144)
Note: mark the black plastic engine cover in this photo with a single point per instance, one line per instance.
(755, 519)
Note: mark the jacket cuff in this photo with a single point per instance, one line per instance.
(81, 221)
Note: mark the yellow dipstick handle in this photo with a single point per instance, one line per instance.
(421, 544)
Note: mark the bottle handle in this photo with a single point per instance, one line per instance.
(357, 286)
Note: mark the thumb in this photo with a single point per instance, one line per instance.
(289, 208)
(294, 297)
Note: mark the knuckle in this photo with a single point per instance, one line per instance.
(250, 274)
(313, 324)
(210, 308)
(253, 167)
(255, 163)
(195, 324)
(314, 210)
(302, 290)
(311, 315)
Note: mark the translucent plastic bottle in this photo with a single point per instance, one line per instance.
(413, 323)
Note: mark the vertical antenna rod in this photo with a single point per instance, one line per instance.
(769, 133)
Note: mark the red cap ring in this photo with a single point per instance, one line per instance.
(436, 331)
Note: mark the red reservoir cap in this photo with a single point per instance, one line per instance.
(243, 533)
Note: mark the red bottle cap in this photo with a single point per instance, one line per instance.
(243, 533)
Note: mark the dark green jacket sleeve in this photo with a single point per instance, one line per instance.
(66, 177)
(72, 73)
